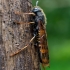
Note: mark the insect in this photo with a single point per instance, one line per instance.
(39, 35)
(39, 30)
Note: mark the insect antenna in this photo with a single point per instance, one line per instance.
(37, 3)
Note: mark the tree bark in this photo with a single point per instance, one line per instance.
(15, 36)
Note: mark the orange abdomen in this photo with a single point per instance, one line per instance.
(43, 46)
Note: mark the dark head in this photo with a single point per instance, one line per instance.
(36, 9)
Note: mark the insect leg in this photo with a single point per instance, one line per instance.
(15, 53)
(43, 66)
(29, 14)
(21, 22)
(21, 13)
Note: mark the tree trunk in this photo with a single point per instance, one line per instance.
(15, 36)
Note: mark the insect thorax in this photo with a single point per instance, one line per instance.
(39, 14)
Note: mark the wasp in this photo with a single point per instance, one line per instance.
(39, 35)
(39, 30)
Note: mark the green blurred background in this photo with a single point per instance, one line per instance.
(58, 30)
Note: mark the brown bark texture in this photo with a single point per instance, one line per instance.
(15, 36)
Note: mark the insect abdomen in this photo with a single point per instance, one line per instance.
(43, 45)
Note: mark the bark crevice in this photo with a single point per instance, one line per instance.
(15, 36)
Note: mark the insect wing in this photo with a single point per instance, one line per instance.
(43, 44)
